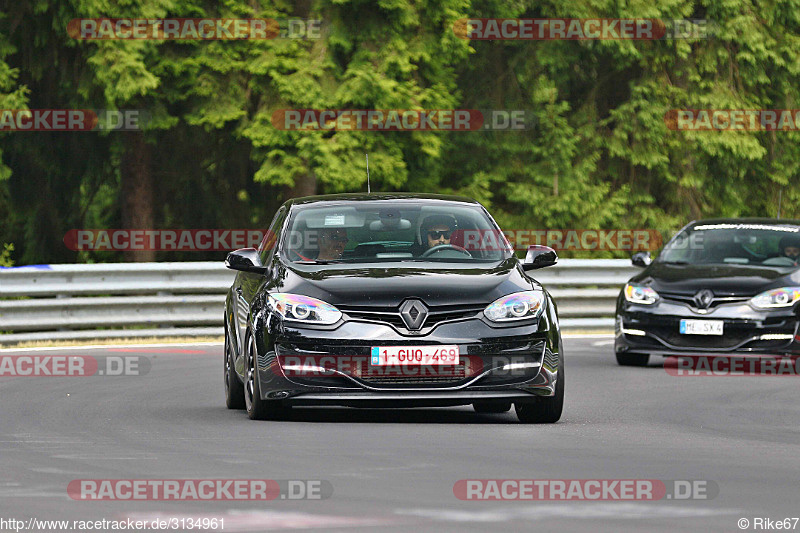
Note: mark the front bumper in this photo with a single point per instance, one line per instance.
(516, 363)
(655, 329)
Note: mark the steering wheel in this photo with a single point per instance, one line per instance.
(757, 256)
(444, 247)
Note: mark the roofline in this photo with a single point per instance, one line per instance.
(746, 220)
(362, 197)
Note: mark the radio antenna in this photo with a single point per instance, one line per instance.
(368, 189)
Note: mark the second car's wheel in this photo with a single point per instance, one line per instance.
(258, 409)
(546, 409)
(632, 359)
(491, 407)
(234, 390)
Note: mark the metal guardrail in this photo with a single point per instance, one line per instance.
(135, 300)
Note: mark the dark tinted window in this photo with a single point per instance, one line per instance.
(374, 231)
(765, 244)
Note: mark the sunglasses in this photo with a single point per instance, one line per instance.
(335, 238)
(439, 234)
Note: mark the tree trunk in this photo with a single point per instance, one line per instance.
(305, 185)
(555, 183)
(137, 190)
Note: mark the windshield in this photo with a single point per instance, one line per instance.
(760, 244)
(379, 231)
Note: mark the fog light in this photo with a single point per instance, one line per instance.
(776, 337)
(636, 332)
(304, 368)
(516, 366)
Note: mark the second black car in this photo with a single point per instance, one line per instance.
(725, 286)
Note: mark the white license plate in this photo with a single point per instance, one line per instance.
(414, 355)
(701, 327)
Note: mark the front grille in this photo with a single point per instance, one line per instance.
(733, 336)
(475, 360)
(727, 340)
(445, 374)
(401, 380)
(391, 315)
(688, 299)
(388, 317)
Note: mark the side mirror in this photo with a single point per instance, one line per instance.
(641, 259)
(539, 257)
(246, 260)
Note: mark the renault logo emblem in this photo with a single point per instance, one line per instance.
(703, 299)
(413, 313)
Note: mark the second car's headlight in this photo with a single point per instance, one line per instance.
(304, 309)
(517, 306)
(640, 294)
(783, 297)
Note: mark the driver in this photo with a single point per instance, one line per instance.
(437, 230)
(438, 235)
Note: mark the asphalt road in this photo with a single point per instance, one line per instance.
(395, 470)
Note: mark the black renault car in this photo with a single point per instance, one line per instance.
(724, 286)
(390, 300)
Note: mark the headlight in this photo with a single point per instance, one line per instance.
(304, 309)
(783, 297)
(640, 295)
(517, 306)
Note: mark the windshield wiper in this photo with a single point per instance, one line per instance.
(675, 262)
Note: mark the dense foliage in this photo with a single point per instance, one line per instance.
(599, 154)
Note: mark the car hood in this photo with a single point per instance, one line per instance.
(722, 279)
(388, 284)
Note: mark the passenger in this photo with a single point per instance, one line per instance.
(790, 248)
(332, 243)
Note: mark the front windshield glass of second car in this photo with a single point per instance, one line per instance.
(377, 231)
(745, 244)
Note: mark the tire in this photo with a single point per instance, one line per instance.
(234, 390)
(546, 409)
(258, 409)
(491, 407)
(632, 359)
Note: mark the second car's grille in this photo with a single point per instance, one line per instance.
(728, 340)
(733, 336)
(688, 299)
